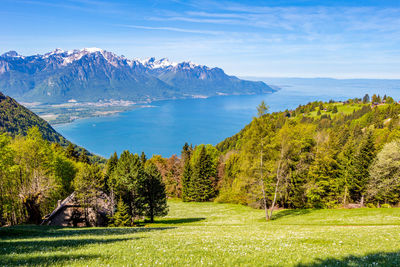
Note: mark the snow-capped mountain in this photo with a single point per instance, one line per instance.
(92, 74)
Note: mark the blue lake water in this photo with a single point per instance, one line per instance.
(164, 128)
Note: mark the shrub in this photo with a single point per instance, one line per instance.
(385, 206)
(371, 205)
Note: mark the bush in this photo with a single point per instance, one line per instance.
(371, 205)
(121, 217)
(385, 206)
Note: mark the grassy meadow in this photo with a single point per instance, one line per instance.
(210, 234)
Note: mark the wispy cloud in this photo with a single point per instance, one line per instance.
(174, 29)
(89, 6)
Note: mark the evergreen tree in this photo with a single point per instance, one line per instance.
(362, 160)
(186, 181)
(143, 158)
(84, 158)
(153, 191)
(186, 152)
(121, 217)
(71, 152)
(334, 109)
(366, 99)
(110, 167)
(262, 109)
(201, 184)
(126, 181)
(87, 184)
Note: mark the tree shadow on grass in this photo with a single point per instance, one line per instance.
(26, 244)
(179, 221)
(372, 259)
(290, 213)
(29, 231)
(38, 260)
(52, 245)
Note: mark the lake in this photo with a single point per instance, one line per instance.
(164, 128)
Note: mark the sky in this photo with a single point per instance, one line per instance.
(277, 38)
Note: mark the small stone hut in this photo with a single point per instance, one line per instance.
(70, 212)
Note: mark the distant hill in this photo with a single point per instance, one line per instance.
(93, 74)
(16, 119)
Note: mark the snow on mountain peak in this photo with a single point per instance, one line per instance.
(157, 64)
(57, 51)
(91, 50)
(11, 54)
(68, 57)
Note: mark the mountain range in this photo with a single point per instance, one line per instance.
(93, 74)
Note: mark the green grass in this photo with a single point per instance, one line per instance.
(212, 234)
(342, 108)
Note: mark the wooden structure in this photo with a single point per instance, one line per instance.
(70, 212)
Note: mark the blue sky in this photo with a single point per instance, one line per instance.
(326, 38)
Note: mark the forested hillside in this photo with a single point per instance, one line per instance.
(39, 167)
(321, 155)
(15, 119)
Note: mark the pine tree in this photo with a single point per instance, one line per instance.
(110, 167)
(334, 109)
(84, 158)
(121, 217)
(153, 190)
(186, 152)
(366, 99)
(201, 183)
(186, 181)
(71, 153)
(143, 158)
(362, 160)
(126, 181)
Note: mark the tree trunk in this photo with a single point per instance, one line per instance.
(265, 201)
(262, 187)
(112, 202)
(345, 196)
(33, 209)
(278, 178)
(273, 202)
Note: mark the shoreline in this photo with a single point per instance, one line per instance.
(102, 111)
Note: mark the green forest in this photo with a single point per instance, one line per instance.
(319, 155)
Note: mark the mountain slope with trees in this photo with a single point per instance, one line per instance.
(15, 119)
(320, 155)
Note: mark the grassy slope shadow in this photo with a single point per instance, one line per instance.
(290, 213)
(19, 247)
(29, 231)
(180, 221)
(373, 259)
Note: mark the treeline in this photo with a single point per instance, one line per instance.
(35, 174)
(320, 155)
